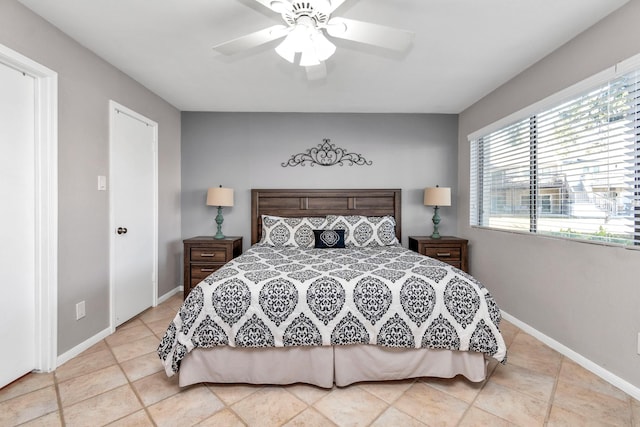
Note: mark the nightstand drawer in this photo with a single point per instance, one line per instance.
(209, 254)
(204, 255)
(200, 272)
(444, 253)
(449, 249)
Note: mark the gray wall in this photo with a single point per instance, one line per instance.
(86, 84)
(245, 150)
(585, 296)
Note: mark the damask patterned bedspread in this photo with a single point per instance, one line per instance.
(388, 296)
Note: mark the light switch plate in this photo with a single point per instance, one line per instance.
(80, 310)
(102, 183)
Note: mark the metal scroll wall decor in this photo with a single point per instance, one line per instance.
(327, 154)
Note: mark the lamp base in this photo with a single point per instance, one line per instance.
(436, 221)
(219, 220)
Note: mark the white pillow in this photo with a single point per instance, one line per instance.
(293, 232)
(361, 231)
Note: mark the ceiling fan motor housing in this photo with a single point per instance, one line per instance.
(314, 10)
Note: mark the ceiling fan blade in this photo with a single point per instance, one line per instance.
(335, 4)
(252, 40)
(316, 72)
(278, 6)
(373, 34)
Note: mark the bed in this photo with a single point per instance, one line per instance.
(299, 307)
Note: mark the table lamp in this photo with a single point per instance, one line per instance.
(437, 196)
(219, 197)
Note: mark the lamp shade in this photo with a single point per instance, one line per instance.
(218, 196)
(437, 196)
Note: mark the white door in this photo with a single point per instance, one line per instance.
(133, 177)
(17, 216)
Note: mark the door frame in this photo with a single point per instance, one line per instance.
(114, 110)
(46, 205)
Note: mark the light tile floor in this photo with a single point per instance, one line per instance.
(119, 382)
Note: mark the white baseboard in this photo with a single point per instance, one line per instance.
(598, 370)
(70, 354)
(169, 294)
(75, 351)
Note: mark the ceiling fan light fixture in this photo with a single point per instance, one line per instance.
(298, 40)
(286, 51)
(309, 58)
(308, 41)
(323, 47)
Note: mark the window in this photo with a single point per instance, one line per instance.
(570, 168)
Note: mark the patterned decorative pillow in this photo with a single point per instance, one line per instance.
(329, 239)
(296, 232)
(361, 231)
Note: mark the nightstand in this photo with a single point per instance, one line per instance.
(205, 254)
(449, 249)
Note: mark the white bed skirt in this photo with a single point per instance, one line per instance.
(326, 366)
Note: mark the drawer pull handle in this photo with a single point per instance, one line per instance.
(443, 254)
(207, 270)
(208, 255)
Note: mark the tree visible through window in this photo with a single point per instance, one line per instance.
(570, 171)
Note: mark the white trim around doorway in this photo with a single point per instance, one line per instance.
(46, 181)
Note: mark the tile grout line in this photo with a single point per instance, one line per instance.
(226, 406)
(296, 414)
(135, 391)
(131, 386)
(309, 406)
(552, 397)
(145, 407)
(473, 401)
(240, 417)
(484, 384)
(392, 403)
(63, 423)
(23, 394)
(555, 379)
(379, 398)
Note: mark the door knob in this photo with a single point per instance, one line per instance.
(121, 230)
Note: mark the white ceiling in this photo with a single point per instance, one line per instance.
(463, 49)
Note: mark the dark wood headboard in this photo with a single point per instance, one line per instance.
(297, 203)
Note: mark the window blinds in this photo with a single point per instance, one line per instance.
(570, 170)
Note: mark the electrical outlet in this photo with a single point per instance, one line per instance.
(80, 310)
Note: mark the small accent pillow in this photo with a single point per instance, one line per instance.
(329, 239)
(293, 232)
(361, 231)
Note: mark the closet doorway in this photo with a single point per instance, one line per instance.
(133, 164)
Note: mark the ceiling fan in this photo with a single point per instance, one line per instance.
(305, 42)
